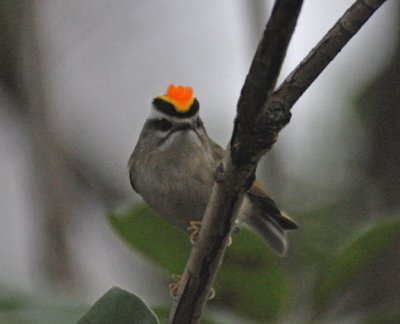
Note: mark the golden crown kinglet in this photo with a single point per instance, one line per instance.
(173, 165)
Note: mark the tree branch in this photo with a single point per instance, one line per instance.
(227, 193)
(325, 51)
(261, 115)
(267, 61)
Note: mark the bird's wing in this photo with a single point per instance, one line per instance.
(217, 151)
(258, 193)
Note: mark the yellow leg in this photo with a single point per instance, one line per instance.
(174, 285)
(194, 230)
(176, 282)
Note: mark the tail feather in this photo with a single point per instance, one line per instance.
(284, 221)
(271, 232)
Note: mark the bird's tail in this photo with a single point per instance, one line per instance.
(272, 229)
(271, 232)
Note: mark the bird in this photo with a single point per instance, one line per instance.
(173, 165)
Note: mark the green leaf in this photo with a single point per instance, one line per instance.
(384, 317)
(119, 306)
(11, 300)
(23, 308)
(354, 261)
(152, 236)
(42, 314)
(251, 281)
(320, 234)
(163, 314)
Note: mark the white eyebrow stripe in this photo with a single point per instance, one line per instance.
(156, 114)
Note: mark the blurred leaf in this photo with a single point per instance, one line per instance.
(119, 306)
(251, 281)
(386, 317)
(42, 314)
(163, 313)
(147, 233)
(19, 308)
(320, 233)
(11, 300)
(354, 261)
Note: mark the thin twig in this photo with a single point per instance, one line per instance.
(260, 118)
(326, 50)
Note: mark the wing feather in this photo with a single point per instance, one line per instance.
(259, 194)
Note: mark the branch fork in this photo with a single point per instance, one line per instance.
(262, 113)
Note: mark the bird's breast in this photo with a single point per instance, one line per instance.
(177, 183)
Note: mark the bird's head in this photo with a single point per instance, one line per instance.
(177, 111)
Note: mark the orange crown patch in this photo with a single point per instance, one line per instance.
(180, 97)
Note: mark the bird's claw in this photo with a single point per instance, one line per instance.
(175, 284)
(194, 230)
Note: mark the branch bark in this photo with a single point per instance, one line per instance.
(324, 52)
(262, 113)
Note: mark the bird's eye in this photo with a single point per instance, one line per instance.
(164, 125)
(199, 123)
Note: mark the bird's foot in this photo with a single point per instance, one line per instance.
(194, 230)
(175, 284)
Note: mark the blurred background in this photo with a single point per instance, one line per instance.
(76, 82)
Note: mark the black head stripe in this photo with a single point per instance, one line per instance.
(169, 109)
(162, 124)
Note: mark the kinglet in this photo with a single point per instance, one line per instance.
(173, 165)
